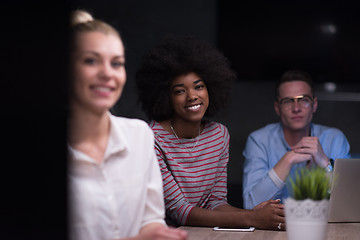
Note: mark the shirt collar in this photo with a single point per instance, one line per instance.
(312, 131)
(283, 137)
(117, 139)
(117, 142)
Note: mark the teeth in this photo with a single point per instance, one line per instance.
(102, 89)
(194, 107)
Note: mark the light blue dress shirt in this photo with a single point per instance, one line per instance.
(266, 146)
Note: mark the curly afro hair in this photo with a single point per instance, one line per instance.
(176, 56)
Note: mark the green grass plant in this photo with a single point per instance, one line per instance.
(313, 183)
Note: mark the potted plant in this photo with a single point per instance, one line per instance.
(306, 211)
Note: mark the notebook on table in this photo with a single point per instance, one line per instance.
(345, 191)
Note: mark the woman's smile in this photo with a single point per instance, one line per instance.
(194, 107)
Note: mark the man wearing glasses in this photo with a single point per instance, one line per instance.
(272, 152)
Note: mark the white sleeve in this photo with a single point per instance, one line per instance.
(274, 177)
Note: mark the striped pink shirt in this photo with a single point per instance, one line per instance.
(192, 179)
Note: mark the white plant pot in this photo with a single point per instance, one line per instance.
(306, 219)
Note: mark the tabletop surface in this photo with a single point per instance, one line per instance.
(335, 231)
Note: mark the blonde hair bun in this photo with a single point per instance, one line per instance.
(80, 16)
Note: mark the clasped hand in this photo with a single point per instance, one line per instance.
(312, 147)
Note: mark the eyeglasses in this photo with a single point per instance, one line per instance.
(304, 101)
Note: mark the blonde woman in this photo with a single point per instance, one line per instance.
(115, 186)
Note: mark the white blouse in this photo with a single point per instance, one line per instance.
(116, 198)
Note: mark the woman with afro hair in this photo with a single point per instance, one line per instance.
(181, 83)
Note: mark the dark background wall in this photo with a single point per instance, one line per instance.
(261, 39)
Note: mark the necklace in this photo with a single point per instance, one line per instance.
(197, 141)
